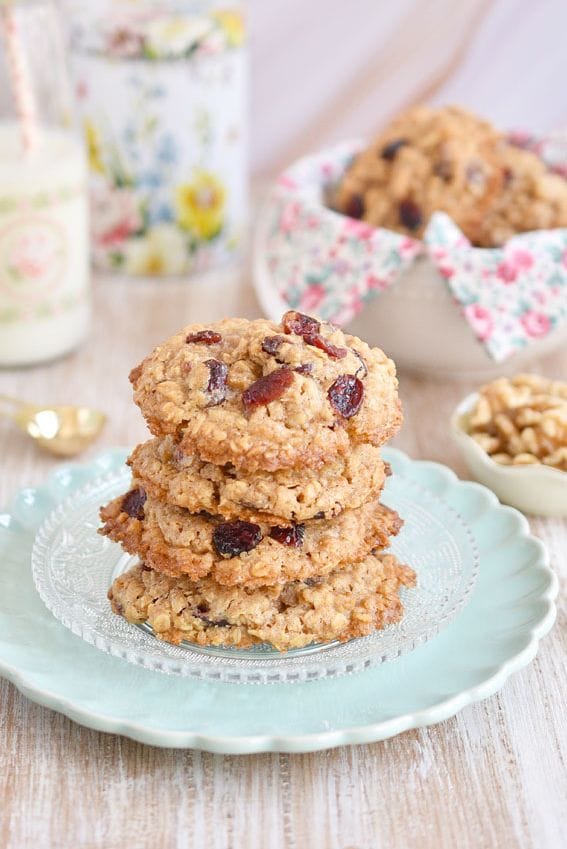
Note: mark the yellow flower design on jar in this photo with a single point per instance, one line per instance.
(94, 147)
(175, 35)
(160, 252)
(200, 205)
(231, 22)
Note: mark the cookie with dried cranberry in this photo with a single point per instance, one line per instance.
(169, 474)
(426, 160)
(261, 395)
(176, 542)
(352, 602)
(532, 198)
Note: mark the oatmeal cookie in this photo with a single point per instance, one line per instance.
(268, 396)
(450, 160)
(174, 541)
(532, 198)
(169, 474)
(352, 602)
(426, 160)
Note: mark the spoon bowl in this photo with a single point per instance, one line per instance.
(62, 430)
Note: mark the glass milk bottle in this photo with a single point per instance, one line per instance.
(44, 250)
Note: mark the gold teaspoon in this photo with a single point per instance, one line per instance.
(62, 430)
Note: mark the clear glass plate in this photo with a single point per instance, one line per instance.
(73, 567)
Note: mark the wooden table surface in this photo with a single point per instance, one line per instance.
(493, 776)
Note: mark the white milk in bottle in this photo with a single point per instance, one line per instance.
(44, 270)
(44, 267)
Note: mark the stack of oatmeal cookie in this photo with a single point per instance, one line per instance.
(255, 509)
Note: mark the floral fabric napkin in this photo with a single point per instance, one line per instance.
(325, 262)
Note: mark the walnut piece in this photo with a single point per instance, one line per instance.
(522, 420)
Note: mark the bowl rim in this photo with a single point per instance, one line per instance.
(468, 444)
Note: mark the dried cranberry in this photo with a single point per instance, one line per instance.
(213, 623)
(320, 342)
(443, 169)
(308, 328)
(216, 387)
(355, 206)
(410, 215)
(345, 395)
(319, 515)
(304, 368)
(268, 388)
(390, 150)
(232, 538)
(291, 536)
(207, 337)
(507, 176)
(272, 344)
(133, 503)
(299, 324)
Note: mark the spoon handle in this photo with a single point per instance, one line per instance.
(13, 408)
(17, 402)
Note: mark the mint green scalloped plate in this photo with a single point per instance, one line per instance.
(497, 633)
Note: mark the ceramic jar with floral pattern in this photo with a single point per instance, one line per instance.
(162, 89)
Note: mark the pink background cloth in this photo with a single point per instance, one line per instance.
(328, 70)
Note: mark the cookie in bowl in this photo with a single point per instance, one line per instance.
(449, 160)
(425, 228)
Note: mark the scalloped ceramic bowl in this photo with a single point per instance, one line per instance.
(536, 489)
(415, 320)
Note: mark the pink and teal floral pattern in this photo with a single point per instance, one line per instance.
(162, 96)
(332, 265)
(510, 296)
(146, 30)
(322, 261)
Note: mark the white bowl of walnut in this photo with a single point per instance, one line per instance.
(513, 437)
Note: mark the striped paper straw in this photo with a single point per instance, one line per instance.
(19, 78)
